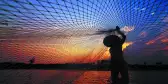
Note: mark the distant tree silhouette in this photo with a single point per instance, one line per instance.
(31, 61)
(158, 63)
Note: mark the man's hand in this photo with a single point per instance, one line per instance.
(117, 28)
(122, 34)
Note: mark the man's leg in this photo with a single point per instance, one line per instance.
(114, 76)
(124, 75)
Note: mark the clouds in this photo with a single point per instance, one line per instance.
(127, 29)
(165, 19)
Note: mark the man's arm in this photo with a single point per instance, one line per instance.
(122, 34)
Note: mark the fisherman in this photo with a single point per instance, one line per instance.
(118, 64)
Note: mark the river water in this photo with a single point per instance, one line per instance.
(77, 77)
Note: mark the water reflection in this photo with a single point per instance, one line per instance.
(77, 77)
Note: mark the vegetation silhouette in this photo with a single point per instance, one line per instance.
(31, 61)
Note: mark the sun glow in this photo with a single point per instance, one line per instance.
(126, 44)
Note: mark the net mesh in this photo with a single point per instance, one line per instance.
(39, 19)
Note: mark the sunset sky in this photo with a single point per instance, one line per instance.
(64, 31)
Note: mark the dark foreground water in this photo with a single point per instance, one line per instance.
(77, 77)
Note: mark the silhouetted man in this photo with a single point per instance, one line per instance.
(118, 64)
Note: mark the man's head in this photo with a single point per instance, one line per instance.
(111, 41)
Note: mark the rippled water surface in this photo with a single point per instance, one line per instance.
(77, 77)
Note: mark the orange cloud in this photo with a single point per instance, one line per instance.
(150, 42)
(126, 44)
(164, 40)
(154, 40)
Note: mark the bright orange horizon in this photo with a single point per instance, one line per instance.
(57, 53)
